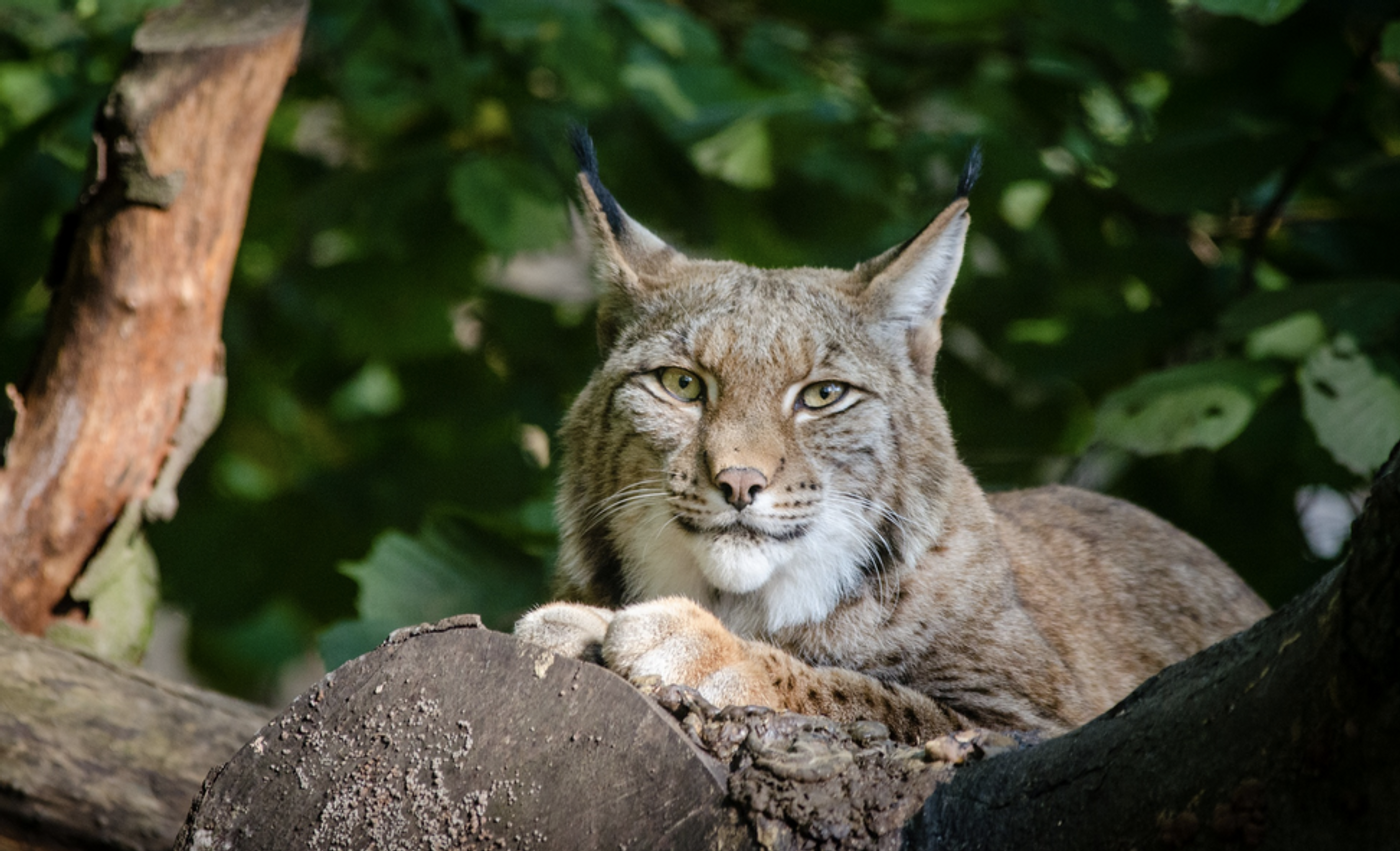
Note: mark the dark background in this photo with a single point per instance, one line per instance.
(385, 459)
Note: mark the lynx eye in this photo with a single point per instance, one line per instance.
(823, 394)
(681, 383)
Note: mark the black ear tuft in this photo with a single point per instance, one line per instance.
(587, 158)
(971, 170)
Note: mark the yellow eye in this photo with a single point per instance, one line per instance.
(823, 394)
(681, 383)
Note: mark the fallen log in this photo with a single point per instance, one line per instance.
(96, 755)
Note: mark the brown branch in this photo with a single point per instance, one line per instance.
(133, 335)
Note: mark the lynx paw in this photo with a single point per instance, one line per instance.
(569, 629)
(676, 640)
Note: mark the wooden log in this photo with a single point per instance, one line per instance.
(94, 755)
(452, 736)
(128, 382)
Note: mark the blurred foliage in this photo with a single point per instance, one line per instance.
(1119, 322)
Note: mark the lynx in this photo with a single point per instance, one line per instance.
(761, 499)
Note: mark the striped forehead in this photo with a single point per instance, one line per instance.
(765, 321)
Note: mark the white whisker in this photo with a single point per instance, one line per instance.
(856, 510)
(646, 490)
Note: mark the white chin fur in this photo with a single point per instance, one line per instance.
(753, 586)
(732, 563)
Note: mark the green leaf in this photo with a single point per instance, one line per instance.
(501, 200)
(1259, 11)
(1353, 406)
(953, 11)
(456, 564)
(1198, 405)
(657, 81)
(1200, 165)
(26, 92)
(1365, 310)
(671, 28)
(375, 391)
(1291, 338)
(345, 640)
(1390, 42)
(1023, 201)
(121, 590)
(739, 154)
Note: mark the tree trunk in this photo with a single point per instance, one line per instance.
(97, 756)
(130, 378)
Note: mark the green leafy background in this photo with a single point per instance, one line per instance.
(385, 459)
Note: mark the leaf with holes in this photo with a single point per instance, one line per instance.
(1198, 405)
(1352, 404)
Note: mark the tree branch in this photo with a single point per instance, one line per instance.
(142, 271)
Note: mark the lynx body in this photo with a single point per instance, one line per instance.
(761, 499)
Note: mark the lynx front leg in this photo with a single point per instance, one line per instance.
(569, 629)
(676, 640)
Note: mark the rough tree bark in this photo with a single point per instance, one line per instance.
(97, 756)
(129, 381)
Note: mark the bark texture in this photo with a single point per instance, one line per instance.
(98, 756)
(128, 383)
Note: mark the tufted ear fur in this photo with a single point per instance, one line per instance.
(906, 288)
(629, 261)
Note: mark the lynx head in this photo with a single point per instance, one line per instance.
(764, 441)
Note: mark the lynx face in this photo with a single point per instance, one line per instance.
(752, 414)
(736, 446)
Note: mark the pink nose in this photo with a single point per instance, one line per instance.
(740, 485)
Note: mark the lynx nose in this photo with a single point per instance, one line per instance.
(740, 485)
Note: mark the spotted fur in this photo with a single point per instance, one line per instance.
(770, 548)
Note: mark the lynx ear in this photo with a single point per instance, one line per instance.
(629, 260)
(908, 285)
